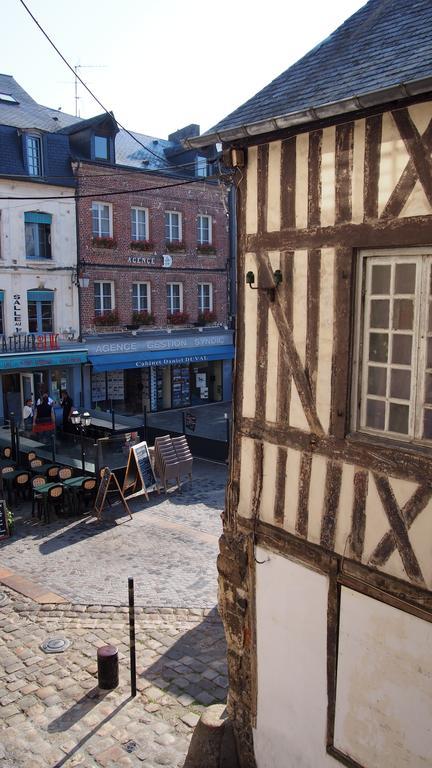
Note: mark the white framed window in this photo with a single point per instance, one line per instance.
(139, 224)
(101, 148)
(103, 298)
(205, 297)
(201, 166)
(204, 230)
(101, 220)
(393, 385)
(140, 297)
(174, 298)
(173, 226)
(34, 155)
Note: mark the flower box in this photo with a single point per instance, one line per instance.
(142, 245)
(178, 318)
(175, 246)
(206, 248)
(204, 318)
(104, 242)
(108, 318)
(143, 318)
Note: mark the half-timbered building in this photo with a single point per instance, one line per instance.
(326, 558)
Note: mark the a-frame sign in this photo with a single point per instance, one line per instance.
(108, 484)
(139, 476)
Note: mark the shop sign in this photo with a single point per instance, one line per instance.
(17, 321)
(147, 261)
(29, 342)
(9, 362)
(161, 344)
(172, 361)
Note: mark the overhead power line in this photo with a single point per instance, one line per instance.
(77, 76)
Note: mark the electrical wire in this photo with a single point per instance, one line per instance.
(112, 194)
(77, 76)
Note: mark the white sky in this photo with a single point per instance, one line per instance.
(162, 63)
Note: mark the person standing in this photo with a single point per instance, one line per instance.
(44, 418)
(67, 405)
(27, 414)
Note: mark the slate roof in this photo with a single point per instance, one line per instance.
(28, 113)
(384, 44)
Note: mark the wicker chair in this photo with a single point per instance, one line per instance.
(6, 452)
(35, 463)
(88, 492)
(65, 473)
(37, 498)
(21, 485)
(31, 456)
(52, 474)
(54, 500)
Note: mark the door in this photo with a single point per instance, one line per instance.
(27, 388)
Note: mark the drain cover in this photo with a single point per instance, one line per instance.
(3, 599)
(130, 746)
(55, 645)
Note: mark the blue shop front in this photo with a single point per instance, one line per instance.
(159, 370)
(31, 364)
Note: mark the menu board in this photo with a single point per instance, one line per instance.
(102, 490)
(142, 458)
(4, 528)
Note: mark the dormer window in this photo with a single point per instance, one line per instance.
(201, 166)
(101, 148)
(34, 155)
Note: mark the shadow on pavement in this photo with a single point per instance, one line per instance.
(78, 710)
(195, 665)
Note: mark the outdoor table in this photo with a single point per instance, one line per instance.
(43, 469)
(7, 463)
(74, 485)
(43, 491)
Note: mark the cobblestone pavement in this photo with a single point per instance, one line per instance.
(169, 548)
(51, 712)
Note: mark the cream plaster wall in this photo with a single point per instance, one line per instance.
(291, 611)
(384, 692)
(18, 275)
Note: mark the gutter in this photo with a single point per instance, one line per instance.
(311, 114)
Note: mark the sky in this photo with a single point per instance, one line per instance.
(160, 64)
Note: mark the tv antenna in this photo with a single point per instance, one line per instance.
(76, 68)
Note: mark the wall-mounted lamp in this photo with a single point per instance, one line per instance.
(79, 277)
(277, 277)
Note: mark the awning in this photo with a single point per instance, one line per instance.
(32, 217)
(151, 359)
(1, 295)
(41, 360)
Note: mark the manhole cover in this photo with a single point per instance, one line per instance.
(3, 599)
(130, 746)
(55, 645)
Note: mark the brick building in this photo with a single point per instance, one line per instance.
(156, 261)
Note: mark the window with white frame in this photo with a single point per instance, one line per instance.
(201, 166)
(205, 297)
(204, 230)
(173, 226)
(103, 298)
(394, 345)
(174, 298)
(139, 224)
(101, 220)
(141, 297)
(34, 155)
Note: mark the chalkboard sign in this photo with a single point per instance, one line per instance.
(190, 421)
(139, 468)
(107, 479)
(4, 528)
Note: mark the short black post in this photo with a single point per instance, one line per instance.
(132, 636)
(112, 417)
(227, 425)
(82, 452)
(17, 442)
(145, 422)
(184, 422)
(13, 438)
(108, 667)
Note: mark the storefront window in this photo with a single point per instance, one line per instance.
(59, 381)
(180, 386)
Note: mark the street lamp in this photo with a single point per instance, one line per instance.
(81, 421)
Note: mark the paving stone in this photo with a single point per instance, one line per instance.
(190, 718)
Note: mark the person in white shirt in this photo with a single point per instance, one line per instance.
(27, 413)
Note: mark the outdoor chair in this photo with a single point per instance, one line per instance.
(166, 461)
(31, 456)
(37, 498)
(88, 492)
(6, 452)
(21, 485)
(52, 474)
(184, 456)
(35, 463)
(54, 501)
(65, 473)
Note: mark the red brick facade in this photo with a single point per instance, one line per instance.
(123, 265)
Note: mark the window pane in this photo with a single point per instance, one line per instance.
(400, 385)
(101, 147)
(405, 278)
(381, 278)
(379, 313)
(375, 414)
(428, 388)
(46, 314)
(398, 418)
(403, 313)
(401, 352)
(377, 380)
(427, 424)
(32, 317)
(378, 347)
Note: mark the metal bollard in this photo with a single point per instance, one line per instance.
(108, 667)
